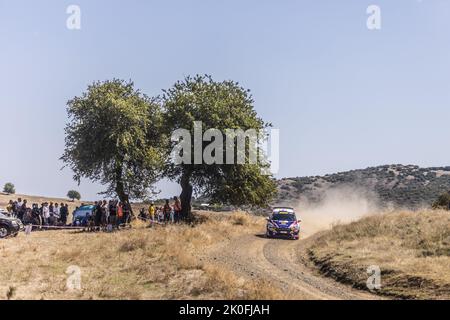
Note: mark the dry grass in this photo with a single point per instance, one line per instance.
(241, 218)
(234, 287)
(139, 263)
(411, 248)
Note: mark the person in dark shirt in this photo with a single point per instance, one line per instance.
(98, 214)
(113, 213)
(22, 210)
(126, 212)
(63, 213)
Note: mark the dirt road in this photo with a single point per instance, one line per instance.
(284, 264)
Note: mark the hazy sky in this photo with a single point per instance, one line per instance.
(343, 96)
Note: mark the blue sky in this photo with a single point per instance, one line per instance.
(343, 96)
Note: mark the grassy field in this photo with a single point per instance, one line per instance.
(412, 250)
(138, 263)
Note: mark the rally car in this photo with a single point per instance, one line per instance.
(283, 223)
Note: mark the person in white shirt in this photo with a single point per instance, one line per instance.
(45, 213)
(56, 211)
(54, 216)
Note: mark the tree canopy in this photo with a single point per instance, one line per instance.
(73, 194)
(220, 105)
(113, 137)
(122, 138)
(9, 188)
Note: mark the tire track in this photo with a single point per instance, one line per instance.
(284, 263)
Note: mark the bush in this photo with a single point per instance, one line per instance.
(73, 194)
(442, 202)
(9, 188)
(240, 219)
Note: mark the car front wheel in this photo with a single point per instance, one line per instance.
(4, 231)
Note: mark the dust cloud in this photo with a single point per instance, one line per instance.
(338, 205)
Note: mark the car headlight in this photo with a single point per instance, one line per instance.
(270, 226)
(14, 223)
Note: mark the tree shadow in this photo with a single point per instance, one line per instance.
(263, 236)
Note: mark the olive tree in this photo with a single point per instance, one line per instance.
(221, 106)
(9, 188)
(113, 136)
(73, 194)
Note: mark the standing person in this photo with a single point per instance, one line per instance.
(10, 207)
(105, 210)
(142, 214)
(161, 214)
(45, 213)
(51, 218)
(63, 213)
(126, 212)
(22, 210)
(151, 212)
(172, 215)
(119, 214)
(56, 212)
(19, 204)
(98, 215)
(36, 217)
(113, 213)
(177, 209)
(15, 209)
(50, 208)
(167, 209)
(94, 215)
(66, 206)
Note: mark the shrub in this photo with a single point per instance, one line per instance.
(73, 194)
(9, 188)
(443, 201)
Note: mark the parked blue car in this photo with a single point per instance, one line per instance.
(81, 215)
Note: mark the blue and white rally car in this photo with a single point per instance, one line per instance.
(283, 223)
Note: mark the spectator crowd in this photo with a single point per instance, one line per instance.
(44, 214)
(102, 215)
(168, 213)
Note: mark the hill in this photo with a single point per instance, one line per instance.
(406, 186)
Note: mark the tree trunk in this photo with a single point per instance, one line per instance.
(186, 197)
(120, 189)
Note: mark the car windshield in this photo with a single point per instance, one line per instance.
(283, 217)
(81, 214)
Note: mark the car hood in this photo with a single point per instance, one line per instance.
(282, 223)
(9, 219)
